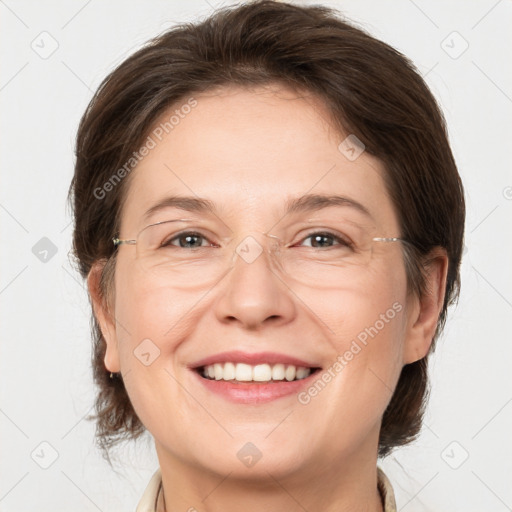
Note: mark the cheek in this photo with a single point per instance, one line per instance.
(145, 316)
(147, 308)
(369, 340)
(367, 325)
(151, 321)
(368, 302)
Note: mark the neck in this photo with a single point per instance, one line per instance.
(338, 486)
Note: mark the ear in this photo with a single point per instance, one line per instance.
(424, 311)
(104, 315)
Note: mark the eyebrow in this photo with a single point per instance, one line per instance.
(305, 203)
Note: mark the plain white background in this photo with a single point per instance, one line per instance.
(463, 459)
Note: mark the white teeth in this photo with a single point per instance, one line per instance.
(258, 373)
(301, 373)
(289, 374)
(219, 371)
(243, 372)
(278, 372)
(229, 371)
(262, 373)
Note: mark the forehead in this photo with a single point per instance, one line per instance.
(251, 151)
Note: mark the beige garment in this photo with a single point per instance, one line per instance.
(148, 502)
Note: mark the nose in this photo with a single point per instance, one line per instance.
(253, 292)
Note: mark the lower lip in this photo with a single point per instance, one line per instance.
(254, 393)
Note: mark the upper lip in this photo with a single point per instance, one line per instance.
(237, 356)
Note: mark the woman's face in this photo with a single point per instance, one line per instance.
(251, 152)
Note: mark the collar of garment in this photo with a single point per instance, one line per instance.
(149, 500)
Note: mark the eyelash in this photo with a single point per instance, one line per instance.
(337, 237)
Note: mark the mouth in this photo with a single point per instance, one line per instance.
(245, 378)
(242, 373)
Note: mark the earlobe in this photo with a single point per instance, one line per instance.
(104, 315)
(425, 310)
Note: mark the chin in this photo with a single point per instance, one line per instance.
(248, 464)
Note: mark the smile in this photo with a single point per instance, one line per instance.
(242, 372)
(254, 378)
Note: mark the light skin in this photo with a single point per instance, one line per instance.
(249, 151)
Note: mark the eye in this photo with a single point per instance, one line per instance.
(321, 238)
(188, 240)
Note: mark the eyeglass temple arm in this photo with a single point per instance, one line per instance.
(119, 241)
(388, 239)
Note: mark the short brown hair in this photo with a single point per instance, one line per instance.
(372, 91)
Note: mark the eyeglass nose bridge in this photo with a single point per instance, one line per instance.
(249, 249)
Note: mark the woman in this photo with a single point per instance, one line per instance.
(270, 221)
